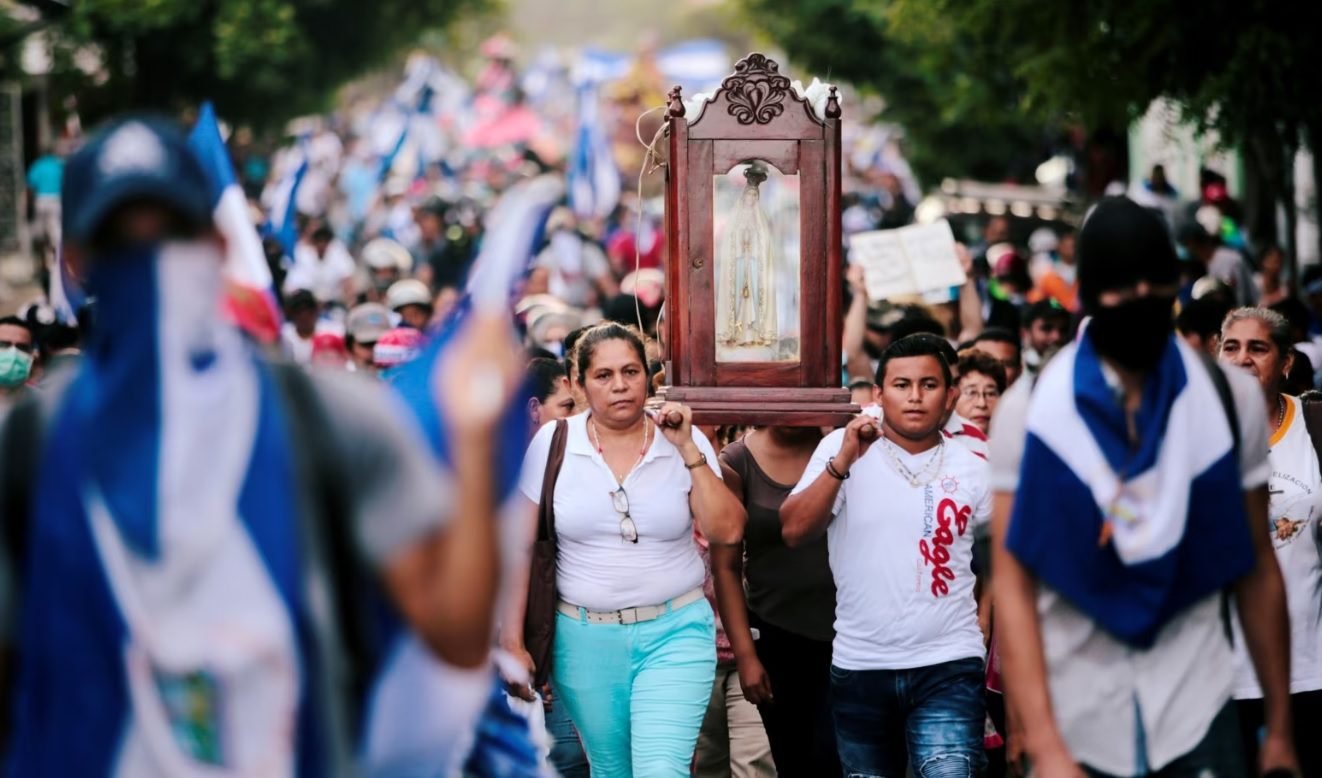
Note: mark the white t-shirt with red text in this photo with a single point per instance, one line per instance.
(902, 556)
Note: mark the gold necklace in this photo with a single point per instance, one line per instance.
(596, 441)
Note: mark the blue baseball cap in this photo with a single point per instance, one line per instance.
(135, 158)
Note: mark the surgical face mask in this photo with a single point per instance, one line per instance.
(15, 367)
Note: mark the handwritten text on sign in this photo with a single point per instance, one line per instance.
(907, 261)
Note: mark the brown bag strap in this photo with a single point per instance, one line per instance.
(554, 460)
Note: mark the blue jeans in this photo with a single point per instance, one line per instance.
(637, 692)
(567, 755)
(931, 717)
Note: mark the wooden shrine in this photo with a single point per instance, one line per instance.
(753, 279)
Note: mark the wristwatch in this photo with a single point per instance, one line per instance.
(702, 460)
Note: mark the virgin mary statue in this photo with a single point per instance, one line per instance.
(746, 291)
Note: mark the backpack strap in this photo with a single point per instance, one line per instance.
(330, 516)
(1313, 423)
(1222, 385)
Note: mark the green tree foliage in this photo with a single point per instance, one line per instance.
(261, 61)
(960, 105)
(1244, 68)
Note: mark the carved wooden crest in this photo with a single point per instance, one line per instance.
(756, 90)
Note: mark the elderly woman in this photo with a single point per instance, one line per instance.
(634, 657)
(1258, 340)
(981, 381)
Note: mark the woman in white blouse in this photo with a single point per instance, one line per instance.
(634, 654)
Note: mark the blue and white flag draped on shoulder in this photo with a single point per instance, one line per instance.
(1130, 535)
(594, 179)
(251, 298)
(417, 703)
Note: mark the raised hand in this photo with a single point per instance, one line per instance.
(480, 375)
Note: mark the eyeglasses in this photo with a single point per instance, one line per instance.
(620, 501)
(26, 348)
(971, 393)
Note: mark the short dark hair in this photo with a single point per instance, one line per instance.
(571, 340)
(57, 337)
(975, 361)
(916, 323)
(1295, 311)
(999, 335)
(17, 322)
(1045, 309)
(920, 345)
(544, 375)
(301, 300)
(588, 342)
(323, 233)
(1202, 317)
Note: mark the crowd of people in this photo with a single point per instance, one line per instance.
(1073, 529)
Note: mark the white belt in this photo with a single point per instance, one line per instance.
(630, 615)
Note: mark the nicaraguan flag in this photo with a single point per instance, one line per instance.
(283, 215)
(422, 712)
(250, 291)
(594, 179)
(1130, 535)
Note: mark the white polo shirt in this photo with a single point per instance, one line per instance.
(596, 567)
(902, 557)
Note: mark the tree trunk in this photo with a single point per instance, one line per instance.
(1290, 240)
(1262, 187)
(1314, 140)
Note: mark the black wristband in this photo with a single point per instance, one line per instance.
(831, 471)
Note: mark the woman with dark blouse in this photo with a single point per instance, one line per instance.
(778, 604)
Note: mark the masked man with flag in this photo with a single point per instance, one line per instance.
(180, 553)
(1130, 503)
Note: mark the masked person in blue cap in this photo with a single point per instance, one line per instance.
(193, 537)
(1131, 502)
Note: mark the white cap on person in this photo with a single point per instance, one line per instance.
(410, 291)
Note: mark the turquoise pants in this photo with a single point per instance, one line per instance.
(637, 693)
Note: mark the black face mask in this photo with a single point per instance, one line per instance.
(1134, 334)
